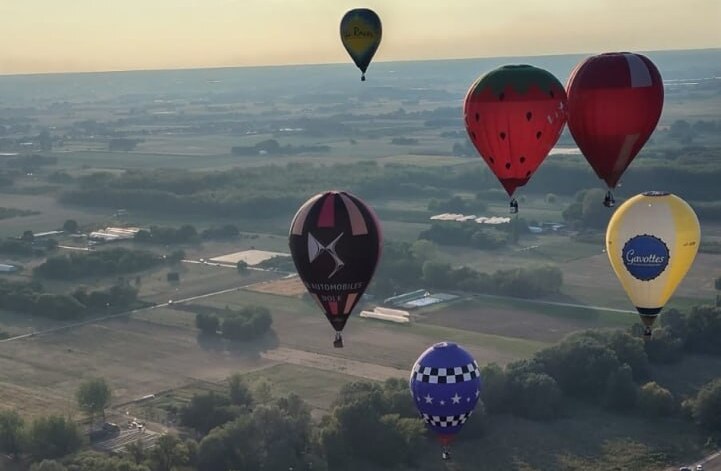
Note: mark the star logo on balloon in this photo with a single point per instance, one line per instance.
(456, 399)
(315, 249)
(429, 399)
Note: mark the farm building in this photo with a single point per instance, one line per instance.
(42, 235)
(110, 234)
(7, 268)
(385, 314)
(418, 298)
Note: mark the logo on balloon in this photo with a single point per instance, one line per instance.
(645, 257)
(315, 249)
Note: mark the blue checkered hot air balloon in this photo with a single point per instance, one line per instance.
(445, 384)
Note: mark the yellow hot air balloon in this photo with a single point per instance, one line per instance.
(651, 241)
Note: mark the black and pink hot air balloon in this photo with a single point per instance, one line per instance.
(335, 240)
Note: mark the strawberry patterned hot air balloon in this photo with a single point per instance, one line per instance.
(614, 103)
(335, 241)
(514, 116)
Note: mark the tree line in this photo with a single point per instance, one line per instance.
(115, 261)
(248, 323)
(405, 267)
(30, 298)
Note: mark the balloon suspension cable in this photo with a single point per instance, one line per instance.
(338, 342)
(446, 453)
(514, 206)
(608, 201)
(363, 77)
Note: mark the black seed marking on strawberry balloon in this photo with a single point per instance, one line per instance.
(491, 159)
(473, 135)
(528, 174)
(529, 115)
(501, 96)
(539, 134)
(522, 159)
(508, 165)
(503, 135)
(478, 117)
(550, 92)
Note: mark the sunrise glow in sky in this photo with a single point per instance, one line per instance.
(91, 35)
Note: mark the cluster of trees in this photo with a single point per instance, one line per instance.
(248, 323)
(114, 261)
(261, 192)
(48, 437)
(696, 331)
(407, 266)
(273, 147)
(238, 429)
(404, 141)
(278, 262)
(168, 235)
(123, 144)
(17, 247)
(456, 204)
(7, 213)
(30, 163)
(187, 234)
(29, 298)
(587, 212)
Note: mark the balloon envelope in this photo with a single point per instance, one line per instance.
(445, 383)
(614, 103)
(360, 32)
(651, 242)
(514, 116)
(335, 241)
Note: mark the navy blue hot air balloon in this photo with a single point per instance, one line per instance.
(445, 384)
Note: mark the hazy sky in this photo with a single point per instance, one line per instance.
(89, 35)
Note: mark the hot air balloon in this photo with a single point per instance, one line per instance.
(360, 31)
(514, 116)
(445, 383)
(614, 103)
(651, 241)
(335, 241)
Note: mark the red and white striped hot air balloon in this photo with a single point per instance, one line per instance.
(614, 103)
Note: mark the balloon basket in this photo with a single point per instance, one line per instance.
(446, 453)
(363, 78)
(513, 206)
(608, 201)
(338, 342)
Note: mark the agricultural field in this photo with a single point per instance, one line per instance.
(403, 148)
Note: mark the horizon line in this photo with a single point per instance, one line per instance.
(268, 66)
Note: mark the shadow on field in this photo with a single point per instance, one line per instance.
(250, 349)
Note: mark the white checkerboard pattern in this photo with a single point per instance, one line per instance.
(446, 421)
(458, 374)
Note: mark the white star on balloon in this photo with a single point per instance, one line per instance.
(443, 403)
(456, 399)
(468, 399)
(478, 392)
(429, 399)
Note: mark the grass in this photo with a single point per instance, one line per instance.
(598, 318)
(514, 346)
(244, 298)
(319, 388)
